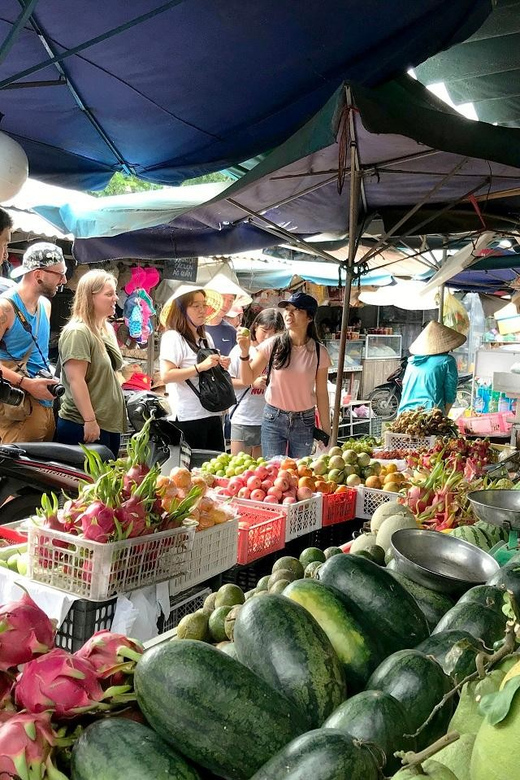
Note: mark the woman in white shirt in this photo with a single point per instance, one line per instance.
(246, 416)
(178, 360)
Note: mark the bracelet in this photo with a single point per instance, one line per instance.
(244, 358)
(197, 370)
(92, 420)
(21, 380)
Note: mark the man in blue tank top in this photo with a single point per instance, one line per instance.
(25, 309)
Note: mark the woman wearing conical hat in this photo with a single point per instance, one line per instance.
(431, 376)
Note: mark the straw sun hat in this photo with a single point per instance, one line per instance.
(435, 339)
(214, 301)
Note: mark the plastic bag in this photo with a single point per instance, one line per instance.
(455, 315)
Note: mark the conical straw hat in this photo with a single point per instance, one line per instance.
(435, 339)
(214, 301)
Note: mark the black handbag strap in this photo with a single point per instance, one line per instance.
(239, 401)
(26, 325)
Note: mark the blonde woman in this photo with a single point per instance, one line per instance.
(92, 408)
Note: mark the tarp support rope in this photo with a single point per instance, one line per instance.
(475, 205)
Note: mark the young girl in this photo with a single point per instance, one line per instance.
(92, 408)
(178, 360)
(297, 366)
(246, 416)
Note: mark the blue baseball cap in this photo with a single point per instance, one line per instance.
(303, 301)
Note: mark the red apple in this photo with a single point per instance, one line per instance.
(261, 472)
(271, 500)
(254, 483)
(235, 483)
(244, 492)
(246, 474)
(257, 495)
(282, 484)
(303, 493)
(266, 484)
(276, 492)
(272, 469)
(289, 500)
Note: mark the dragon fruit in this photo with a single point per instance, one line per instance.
(26, 742)
(25, 631)
(97, 522)
(6, 686)
(113, 656)
(58, 682)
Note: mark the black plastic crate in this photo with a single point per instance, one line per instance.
(184, 604)
(83, 619)
(246, 577)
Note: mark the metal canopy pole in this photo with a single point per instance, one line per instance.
(355, 189)
(27, 9)
(442, 289)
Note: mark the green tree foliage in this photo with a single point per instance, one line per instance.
(121, 184)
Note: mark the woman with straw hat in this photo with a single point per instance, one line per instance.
(183, 317)
(430, 380)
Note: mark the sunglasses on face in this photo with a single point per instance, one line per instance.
(61, 274)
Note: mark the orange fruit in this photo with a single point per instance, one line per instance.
(373, 482)
(391, 468)
(288, 463)
(321, 486)
(307, 482)
(342, 489)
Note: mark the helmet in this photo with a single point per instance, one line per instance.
(141, 406)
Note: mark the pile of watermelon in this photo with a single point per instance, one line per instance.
(325, 676)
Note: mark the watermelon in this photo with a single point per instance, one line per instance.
(455, 651)
(419, 683)
(481, 622)
(214, 709)
(374, 716)
(116, 748)
(473, 535)
(486, 595)
(381, 605)
(281, 642)
(324, 754)
(357, 649)
(495, 533)
(508, 577)
(432, 604)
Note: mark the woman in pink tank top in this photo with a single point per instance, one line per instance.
(297, 366)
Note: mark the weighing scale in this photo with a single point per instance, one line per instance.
(501, 508)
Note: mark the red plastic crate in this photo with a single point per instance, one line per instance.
(339, 507)
(260, 532)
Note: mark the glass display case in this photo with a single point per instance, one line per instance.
(353, 354)
(382, 347)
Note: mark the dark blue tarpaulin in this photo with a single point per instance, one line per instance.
(194, 85)
(410, 147)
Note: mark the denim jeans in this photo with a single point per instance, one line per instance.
(68, 432)
(287, 433)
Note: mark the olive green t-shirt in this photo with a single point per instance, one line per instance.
(77, 342)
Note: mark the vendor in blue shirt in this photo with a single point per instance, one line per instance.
(430, 380)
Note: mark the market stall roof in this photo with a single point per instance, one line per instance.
(410, 149)
(170, 90)
(484, 70)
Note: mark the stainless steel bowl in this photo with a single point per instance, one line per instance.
(499, 507)
(439, 561)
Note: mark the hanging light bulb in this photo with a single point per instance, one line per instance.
(14, 168)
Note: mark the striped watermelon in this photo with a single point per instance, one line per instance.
(473, 535)
(494, 532)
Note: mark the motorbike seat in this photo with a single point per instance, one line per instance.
(52, 451)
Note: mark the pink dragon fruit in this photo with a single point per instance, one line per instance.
(97, 522)
(113, 656)
(25, 631)
(26, 741)
(58, 682)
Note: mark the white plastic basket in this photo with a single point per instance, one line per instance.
(368, 499)
(214, 551)
(302, 518)
(97, 571)
(403, 441)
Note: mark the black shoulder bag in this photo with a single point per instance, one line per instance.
(216, 392)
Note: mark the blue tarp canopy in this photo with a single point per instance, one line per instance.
(172, 90)
(410, 148)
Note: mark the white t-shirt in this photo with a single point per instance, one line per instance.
(251, 409)
(184, 403)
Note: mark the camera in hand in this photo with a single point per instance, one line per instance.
(9, 394)
(55, 390)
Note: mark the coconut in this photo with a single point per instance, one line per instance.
(386, 510)
(390, 526)
(362, 542)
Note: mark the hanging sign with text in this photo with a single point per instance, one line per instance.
(183, 269)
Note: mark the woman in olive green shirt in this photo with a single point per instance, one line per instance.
(92, 408)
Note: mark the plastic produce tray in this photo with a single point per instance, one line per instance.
(339, 507)
(403, 441)
(214, 551)
(261, 531)
(485, 424)
(83, 619)
(368, 499)
(98, 571)
(302, 518)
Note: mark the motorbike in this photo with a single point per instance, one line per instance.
(386, 397)
(30, 469)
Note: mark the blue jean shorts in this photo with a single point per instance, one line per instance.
(250, 435)
(287, 433)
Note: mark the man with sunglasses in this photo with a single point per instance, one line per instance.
(24, 343)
